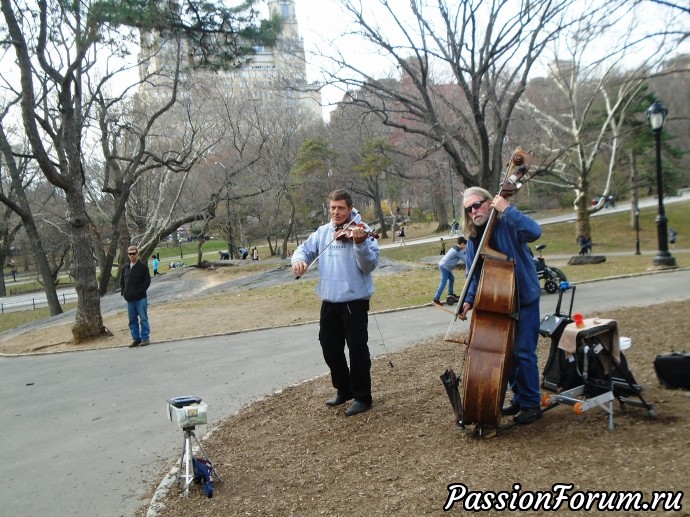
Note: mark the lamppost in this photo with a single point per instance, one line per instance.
(656, 114)
(637, 231)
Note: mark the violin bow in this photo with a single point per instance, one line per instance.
(336, 234)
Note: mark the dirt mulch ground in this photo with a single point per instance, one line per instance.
(289, 454)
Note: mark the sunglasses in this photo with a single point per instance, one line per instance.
(131, 253)
(474, 206)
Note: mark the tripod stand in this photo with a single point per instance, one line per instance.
(186, 470)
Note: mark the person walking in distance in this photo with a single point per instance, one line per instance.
(401, 234)
(155, 264)
(511, 235)
(450, 260)
(345, 287)
(134, 282)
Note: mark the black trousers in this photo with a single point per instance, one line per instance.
(342, 323)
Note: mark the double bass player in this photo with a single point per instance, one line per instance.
(511, 235)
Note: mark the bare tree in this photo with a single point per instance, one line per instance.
(56, 44)
(283, 128)
(463, 66)
(16, 199)
(9, 224)
(373, 160)
(584, 119)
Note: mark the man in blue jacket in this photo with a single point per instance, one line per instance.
(135, 280)
(345, 287)
(512, 233)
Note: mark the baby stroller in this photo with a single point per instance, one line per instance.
(586, 367)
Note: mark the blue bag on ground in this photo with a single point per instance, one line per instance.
(203, 473)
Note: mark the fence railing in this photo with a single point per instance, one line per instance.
(34, 303)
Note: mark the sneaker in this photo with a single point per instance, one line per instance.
(145, 342)
(437, 302)
(455, 297)
(528, 415)
(135, 343)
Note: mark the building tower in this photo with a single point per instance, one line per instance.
(278, 71)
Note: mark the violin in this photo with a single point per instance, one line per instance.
(344, 232)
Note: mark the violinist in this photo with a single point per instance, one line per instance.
(511, 235)
(347, 255)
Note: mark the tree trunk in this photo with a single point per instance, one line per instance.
(3, 287)
(231, 234)
(201, 240)
(88, 322)
(382, 220)
(378, 209)
(105, 284)
(439, 204)
(582, 226)
(43, 267)
(290, 225)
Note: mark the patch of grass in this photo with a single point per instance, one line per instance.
(11, 320)
(413, 253)
(34, 286)
(408, 289)
(614, 232)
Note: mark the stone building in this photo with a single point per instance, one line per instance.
(270, 74)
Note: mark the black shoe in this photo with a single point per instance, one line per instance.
(511, 410)
(135, 343)
(357, 407)
(528, 416)
(145, 342)
(339, 399)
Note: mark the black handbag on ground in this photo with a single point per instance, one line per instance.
(673, 370)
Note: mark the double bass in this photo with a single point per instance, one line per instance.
(495, 312)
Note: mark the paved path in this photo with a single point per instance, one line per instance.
(86, 433)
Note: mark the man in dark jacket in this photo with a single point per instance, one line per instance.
(134, 281)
